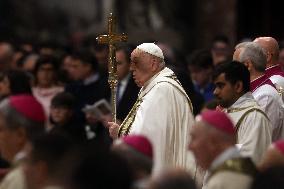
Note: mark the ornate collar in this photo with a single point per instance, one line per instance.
(274, 70)
(262, 80)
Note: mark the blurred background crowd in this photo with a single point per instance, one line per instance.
(48, 50)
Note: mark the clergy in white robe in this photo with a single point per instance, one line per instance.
(253, 56)
(226, 172)
(253, 127)
(213, 145)
(232, 81)
(162, 112)
(273, 69)
(164, 116)
(269, 100)
(276, 75)
(14, 179)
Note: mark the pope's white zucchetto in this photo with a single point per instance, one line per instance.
(152, 49)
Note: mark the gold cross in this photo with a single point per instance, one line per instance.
(111, 39)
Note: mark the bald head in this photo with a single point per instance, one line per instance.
(271, 47)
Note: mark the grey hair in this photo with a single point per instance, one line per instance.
(15, 120)
(241, 45)
(162, 63)
(253, 52)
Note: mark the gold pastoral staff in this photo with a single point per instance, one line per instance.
(111, 39)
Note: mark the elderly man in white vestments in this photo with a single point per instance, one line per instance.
(263, 90)
(213, 144)
(273, 69)
(232, 81)
(162, 112)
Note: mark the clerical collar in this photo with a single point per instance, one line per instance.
(261, 80)
(274, 70)
(273, 67)
(93, 78)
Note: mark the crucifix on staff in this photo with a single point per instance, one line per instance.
(111, 39)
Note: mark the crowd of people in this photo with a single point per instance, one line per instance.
(211, 119)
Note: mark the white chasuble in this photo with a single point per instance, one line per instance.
(269, 100)
(163, 113)
(253, 127)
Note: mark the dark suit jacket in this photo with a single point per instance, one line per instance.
(88, 94)
(128, 99)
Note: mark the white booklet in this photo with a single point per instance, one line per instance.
(98, 109)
